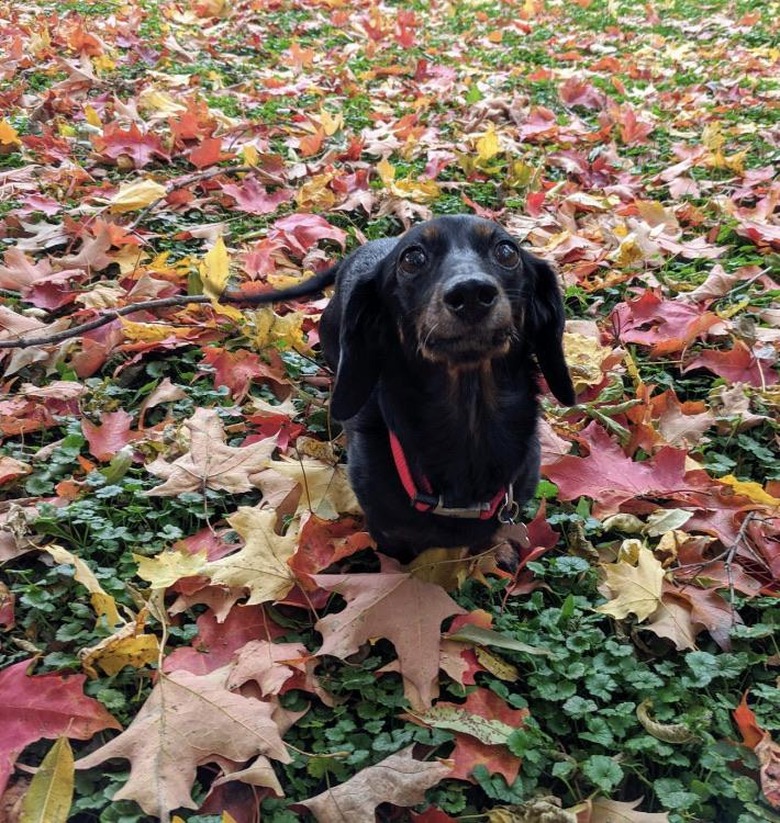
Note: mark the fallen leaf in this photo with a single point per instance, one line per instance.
(483, 725)
(188, 720)
(406, 611)
(636, 589)
(111, 435)
(164, 569)
(751, 490)
(50, 795)
(261, 566)
(326, 488)
(398, 779)
(46, 705)
(210, 463)
(137, 195)
(603, 810)
(610, 478)
(102, 602)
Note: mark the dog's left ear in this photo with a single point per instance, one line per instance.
(360, 355)
(544, 324)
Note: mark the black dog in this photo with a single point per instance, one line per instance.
(435, 339)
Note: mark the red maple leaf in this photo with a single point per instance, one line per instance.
(665, 325)
(208, 153)
(300, 232)
(610, 478)
(324, 542)
(116, 142)
(112, 434)
(238, 369)
(46, 705)
(253, 198)
(216, 643)
(578, 92)
(470, 752)
(740, 364)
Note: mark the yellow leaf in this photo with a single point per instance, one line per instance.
(314, 194)
(92, 117)
(584, 356)
(271, 329)
(250, 155)
(385, 171)
(103, 604)
(447, 568)
(103, 63)
(628, 253)
(420, 191)
(138, 195)
(636, 589)
(138, 651)
(496, 665)
(331, 123)
(8, 135)
(487, 145)
(326, 490)
(215, 270)
(149, 332)
(712, 137)
(261, 566)
(128, 646)
(153, 101)
(166, 568)
(49, 798)
(521, 174)
(750, 489)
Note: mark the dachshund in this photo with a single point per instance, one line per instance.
(437, 338)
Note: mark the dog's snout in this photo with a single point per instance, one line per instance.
(471, 299)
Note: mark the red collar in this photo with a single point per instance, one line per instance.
(427, 501)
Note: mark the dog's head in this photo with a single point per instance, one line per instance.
(458, 291)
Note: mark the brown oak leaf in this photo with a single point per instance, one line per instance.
(406, 611)
(188, 720)
(398, 779)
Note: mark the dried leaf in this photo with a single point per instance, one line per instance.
(261, 566)
(398, 779)
(636, 589)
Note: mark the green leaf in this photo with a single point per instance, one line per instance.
(672, 794)
(705, 668)
(488, 637)
(579, 706)
(603, 772)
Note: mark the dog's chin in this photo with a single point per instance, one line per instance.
(465, 351)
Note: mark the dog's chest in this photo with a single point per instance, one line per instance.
(476, 434)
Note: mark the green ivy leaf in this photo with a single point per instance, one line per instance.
(603, 772)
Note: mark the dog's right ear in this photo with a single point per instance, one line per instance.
(360, 354)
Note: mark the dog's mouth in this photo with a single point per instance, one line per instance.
(467, 349)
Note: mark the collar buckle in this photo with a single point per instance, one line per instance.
(509, 510)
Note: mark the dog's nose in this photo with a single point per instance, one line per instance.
(471, 299)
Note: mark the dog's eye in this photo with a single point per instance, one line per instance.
(506, 254)
(413, 259)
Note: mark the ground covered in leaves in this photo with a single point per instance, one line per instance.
(189, 606)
